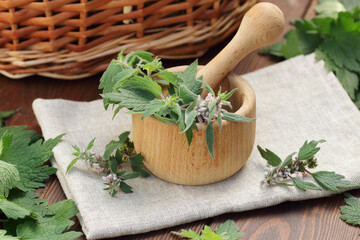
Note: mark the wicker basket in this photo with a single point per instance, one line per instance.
(71, 39)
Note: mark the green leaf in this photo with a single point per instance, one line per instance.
(271, 158)
(186, 95)
(71, 164)
(229, 94)
(113, 164)
(9, 177)
(229, 230)
(189, 119)
(129, 176)
(208, 234)
(28, 156)
(189, 78)
(308, 150)
(3, 236)
(13, 210)
(302, 185)
(107, 80)
(212, 111)
(90, 145)
(210, 139)
(137, 165)
(349, 80)
(291, 47)
(125, 187)
(135, 100)
(168, 76)
(188, 234)
(4, 115)
(288, 159)
(351, 212)
(113, 145)
(332, 181)
(274, 50)
(232, 117)
(31, 201)
(50, 227)
(189, 135)
(144, 83)
(153, 107)
(207, 86)
(5, 143)
(165, 119)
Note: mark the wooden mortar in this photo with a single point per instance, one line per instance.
(166, 151)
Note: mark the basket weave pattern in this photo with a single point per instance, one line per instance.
(76, 38)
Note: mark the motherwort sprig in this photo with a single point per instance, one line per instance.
(111, 166)
(139, 82)
(295, 168)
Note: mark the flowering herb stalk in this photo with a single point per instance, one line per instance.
(135, 82)
(111, 166)
(296, 168)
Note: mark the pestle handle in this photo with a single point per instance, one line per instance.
(261, 25)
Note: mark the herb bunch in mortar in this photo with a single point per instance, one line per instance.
(135, 82)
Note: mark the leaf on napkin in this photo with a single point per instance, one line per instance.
(309, 149)
(113, 145)
(271, 158)
(304, 185)
(332, 181)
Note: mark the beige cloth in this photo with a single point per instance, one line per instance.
(297, 100)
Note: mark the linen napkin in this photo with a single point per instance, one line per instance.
(297, 100)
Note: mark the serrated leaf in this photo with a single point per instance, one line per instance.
(351, 212)
(208, 234)
(3, 236)
(332, 181)
(13, 210)
(271, 158)
(189, 78)
(125, 187)
(309, 149)
(291, 48)
(28, 156)
(50, 227)
(144, 83)
(137, 165)
(5, 143)
(188, 234)
(210, 139)
(186, 95)
(153, 107)
(124, 75)
(274, 50)
(9, 177)
(229, 230)
(232, 117)
(113, 145)
(90, 145)
(107, 80)
(31, 201)
(135, 100)
(113, 164)
(168, 76)
(302, 185)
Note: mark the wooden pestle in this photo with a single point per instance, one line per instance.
(261, 25)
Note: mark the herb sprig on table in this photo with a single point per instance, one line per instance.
(22, 213)
(226, 231)
(295, 167)
(135, 82)
(334, 36)
(111, 166)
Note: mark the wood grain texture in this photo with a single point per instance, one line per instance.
(193, 165)
(311, 219)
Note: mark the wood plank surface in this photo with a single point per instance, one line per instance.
(312, 219)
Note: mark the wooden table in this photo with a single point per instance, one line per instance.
(312, 219)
